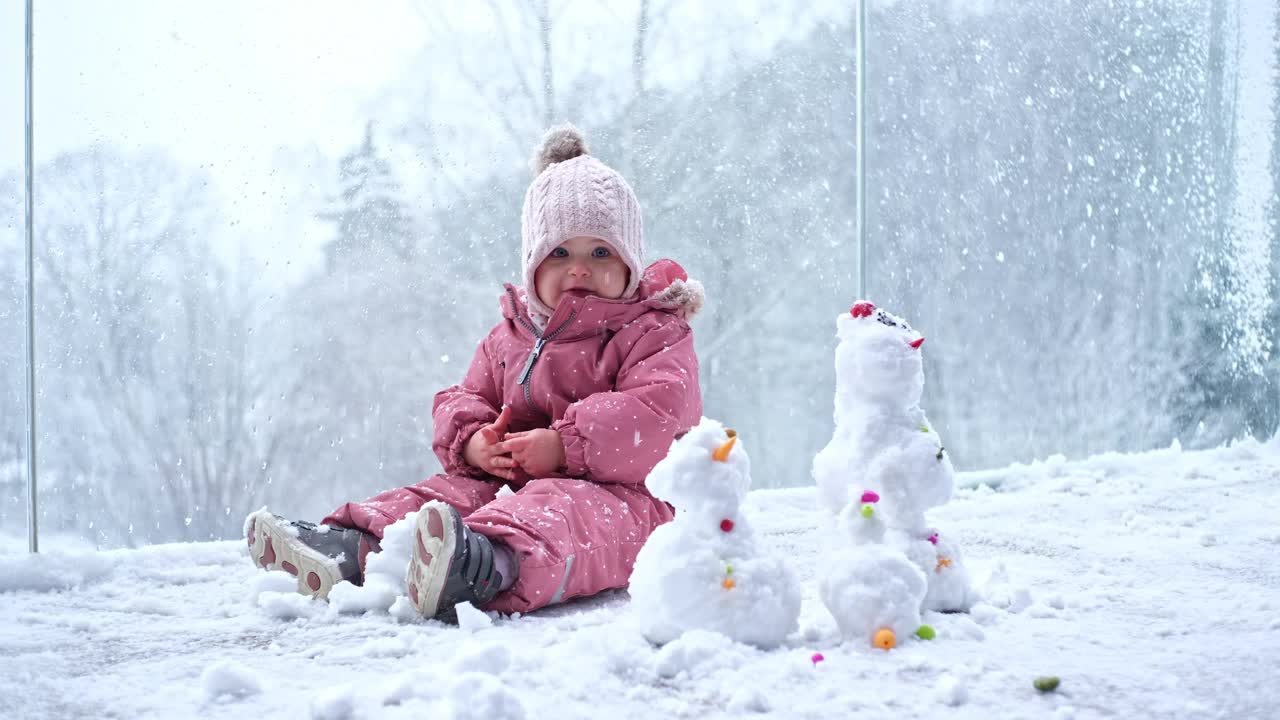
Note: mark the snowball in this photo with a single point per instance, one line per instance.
(748, 699)
(390, 647)
(290, 605)
(984, 613)
(477, 696)
(692, 649)
(618, 649)
(1040, 610)
(1021, 600)
(337, 703)
(471, 619)
(917, 663)
(964, 628)
(223, 680)
(491, 658)
(1135, 521)
(951, 691)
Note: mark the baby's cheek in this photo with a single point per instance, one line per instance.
(616, 279)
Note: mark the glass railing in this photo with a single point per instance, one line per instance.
(13, 413)
(262, 247)
(1058, 205)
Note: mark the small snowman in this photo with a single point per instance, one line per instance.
(705, 569)
(885, 464)
(872, 589)
(874, 592)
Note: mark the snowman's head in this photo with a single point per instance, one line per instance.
(879, 357)
(706, 471)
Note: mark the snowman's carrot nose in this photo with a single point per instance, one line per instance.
(917, 343)
(721, 454)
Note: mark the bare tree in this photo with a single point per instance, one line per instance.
(146, 375)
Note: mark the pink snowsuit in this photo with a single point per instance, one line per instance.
(619, 380)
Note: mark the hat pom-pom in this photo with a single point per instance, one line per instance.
(562, 142)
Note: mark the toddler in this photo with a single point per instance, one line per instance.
(570, 400)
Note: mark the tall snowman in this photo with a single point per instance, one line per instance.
(705, 569)
(885, 465)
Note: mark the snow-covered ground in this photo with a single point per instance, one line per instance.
(1149, 583)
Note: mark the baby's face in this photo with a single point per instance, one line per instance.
(581, 266)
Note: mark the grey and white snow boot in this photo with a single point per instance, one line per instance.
(319, 556)
(451, 564)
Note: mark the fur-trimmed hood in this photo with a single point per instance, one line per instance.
(666, 285)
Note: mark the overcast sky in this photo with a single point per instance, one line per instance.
(231, 74)
(250, 91)
(223, 85)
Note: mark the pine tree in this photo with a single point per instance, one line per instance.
(371, 218)
(1235, 388)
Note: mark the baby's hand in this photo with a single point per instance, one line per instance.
(537, 452)
(482, 450)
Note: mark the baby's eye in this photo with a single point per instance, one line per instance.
(600, 252)
(559, 252)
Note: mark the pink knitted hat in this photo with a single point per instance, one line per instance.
(575, 195)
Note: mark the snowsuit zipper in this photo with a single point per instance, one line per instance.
(526, 373)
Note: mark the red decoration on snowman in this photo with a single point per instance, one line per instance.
(726, 525)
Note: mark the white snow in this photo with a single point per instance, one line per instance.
(1138, 621)
(471, 619)
(706, 570)
(951, 690)
(873, 587)
(884, 468)
(224, 681)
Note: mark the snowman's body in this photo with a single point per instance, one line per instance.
(884, 445)
(706, 569)
(871, 588)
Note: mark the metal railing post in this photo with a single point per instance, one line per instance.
(33, 536)
(860, 67)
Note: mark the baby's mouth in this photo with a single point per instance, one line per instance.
(579, 292)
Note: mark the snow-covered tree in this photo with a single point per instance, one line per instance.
(370, 217)
(1232, 303)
